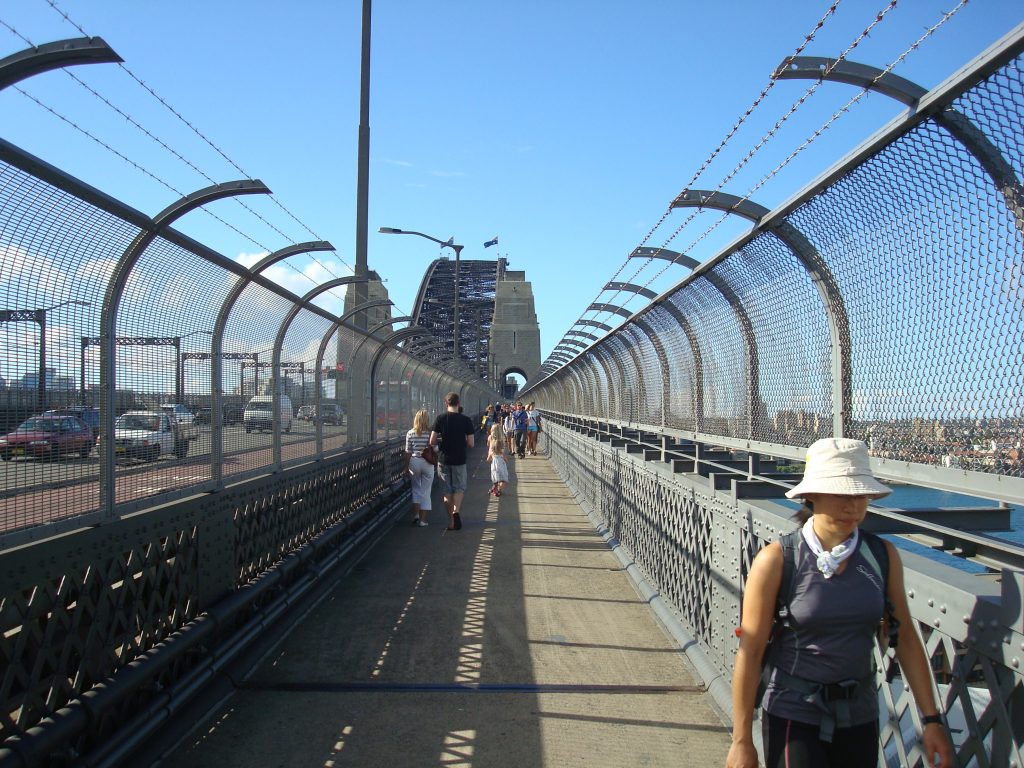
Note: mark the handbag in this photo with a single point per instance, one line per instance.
(429, 455)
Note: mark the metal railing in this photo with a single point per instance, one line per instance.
(691, 516)
(882, 303)
(137, 316)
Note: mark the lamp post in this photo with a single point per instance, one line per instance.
(38, 316)
(179, 376)
(449, 243)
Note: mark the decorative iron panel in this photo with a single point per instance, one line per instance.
(76, 610)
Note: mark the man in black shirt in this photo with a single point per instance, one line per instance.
(452, 435)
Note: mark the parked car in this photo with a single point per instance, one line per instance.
(87, 413)
(48, 437)
(330, 413)
(259, 413)
(305, 413)
(148, 435)
(233, 414)
(184, 417)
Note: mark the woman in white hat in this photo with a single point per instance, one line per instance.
(820, 705)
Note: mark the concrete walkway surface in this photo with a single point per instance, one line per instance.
(517, 641)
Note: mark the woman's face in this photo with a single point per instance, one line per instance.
(841, 514)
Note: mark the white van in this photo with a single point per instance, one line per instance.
(259, 413)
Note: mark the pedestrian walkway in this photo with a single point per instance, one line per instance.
(517, 641)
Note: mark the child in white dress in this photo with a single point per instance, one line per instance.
(496, 455)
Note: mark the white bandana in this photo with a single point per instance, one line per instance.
(828, 562)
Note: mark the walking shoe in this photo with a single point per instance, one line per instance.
(422, 523)
(458, 521)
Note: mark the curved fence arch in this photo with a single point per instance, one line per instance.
(882, 303)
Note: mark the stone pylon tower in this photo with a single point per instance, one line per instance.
(515, 333)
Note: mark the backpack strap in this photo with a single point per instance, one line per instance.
(789, 542)
(877, 555)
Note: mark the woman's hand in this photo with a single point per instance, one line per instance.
(935, 743)
(741, 755)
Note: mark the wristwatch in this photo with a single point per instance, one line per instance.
(930, 719)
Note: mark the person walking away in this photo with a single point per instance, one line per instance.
(452, 435)
(532, 429)
(496, 455)
(509, 427)
(820, 705)
(422, 471)
(487, 421)
(520, 420)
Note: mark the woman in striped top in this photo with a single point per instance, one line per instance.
(422, 471)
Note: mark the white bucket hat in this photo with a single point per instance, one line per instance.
(839, 466)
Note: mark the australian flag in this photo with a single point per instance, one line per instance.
(489, 243)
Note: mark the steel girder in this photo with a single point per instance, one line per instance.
(435, 305)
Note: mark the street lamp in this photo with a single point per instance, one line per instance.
(39, 316)
(449, 243)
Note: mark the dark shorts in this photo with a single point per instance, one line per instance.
(454, 477)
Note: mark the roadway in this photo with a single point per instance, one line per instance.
(34, 491)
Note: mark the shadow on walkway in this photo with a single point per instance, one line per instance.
(517, 641)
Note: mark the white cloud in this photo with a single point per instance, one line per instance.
(19, 266)
(248, 259)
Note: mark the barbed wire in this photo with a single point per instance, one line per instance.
(808, 38)
(828, 123)
(167, 147)
(273, 199)
(816, 134)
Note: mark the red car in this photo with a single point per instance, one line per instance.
(47, 437)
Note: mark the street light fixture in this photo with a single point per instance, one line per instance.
(449, 243)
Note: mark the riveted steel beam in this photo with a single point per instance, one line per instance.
(572, 343)
(821, 277)
(582, 335)
(56, 55)
(612, 308)
(583, 322)
(851, 73)
(644, 252)
(647, 293)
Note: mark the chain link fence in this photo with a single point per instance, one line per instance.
(214, 373)
(884, 304)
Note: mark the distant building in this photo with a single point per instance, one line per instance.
(53, 381)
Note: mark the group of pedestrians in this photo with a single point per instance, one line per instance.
(512, 429)
(519, 425)
(813, 604)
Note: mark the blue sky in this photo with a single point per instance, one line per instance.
(565, 128)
